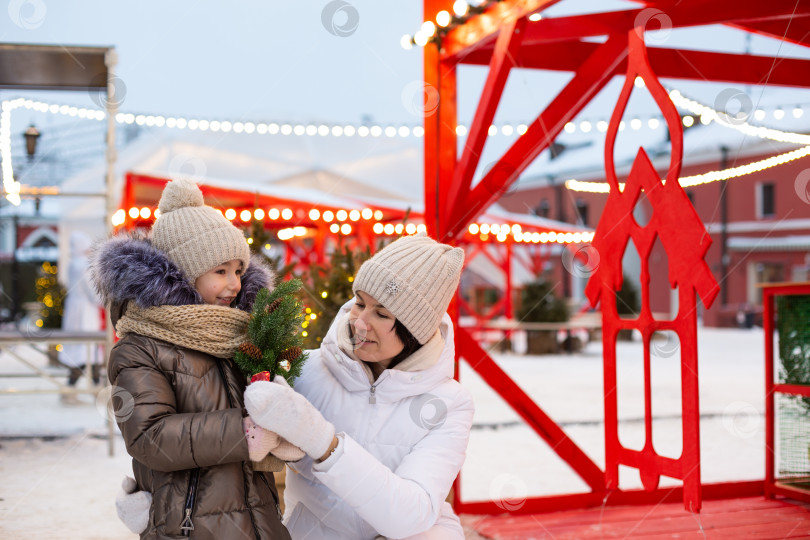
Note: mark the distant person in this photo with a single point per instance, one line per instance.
(181, 303)
(82, 313)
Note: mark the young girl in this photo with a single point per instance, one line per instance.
(180, 304)
(376, 409)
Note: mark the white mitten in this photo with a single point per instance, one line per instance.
(133, 506)
(276, 407)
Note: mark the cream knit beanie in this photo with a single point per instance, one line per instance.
(414, 278)
(195, 237)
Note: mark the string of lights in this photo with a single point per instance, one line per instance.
(737, 122)
(707, 115)
(10, 186)
(701, 112)
(705, 178)
(344, 222)
(432, 32)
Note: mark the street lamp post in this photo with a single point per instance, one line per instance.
(31, 136)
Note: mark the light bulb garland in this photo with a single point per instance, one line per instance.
(484, 231)
(433, 32)
(698, 112)
(707, 115)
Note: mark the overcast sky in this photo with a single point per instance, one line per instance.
(323, 61)
(272, 60)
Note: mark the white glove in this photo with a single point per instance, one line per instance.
(133, 507)
(276, 407)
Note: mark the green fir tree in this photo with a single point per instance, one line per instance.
(258, 238)
(274, 338)
(51, 296)
(326, 289)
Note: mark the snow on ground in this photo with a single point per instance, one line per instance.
(507, 459)
(57, 481)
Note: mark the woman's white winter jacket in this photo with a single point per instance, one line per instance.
(402, 443)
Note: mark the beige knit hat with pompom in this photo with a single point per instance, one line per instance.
(415, 278)
(195, 237)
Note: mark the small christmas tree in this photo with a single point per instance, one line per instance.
(51, 295)
(274, 343)
(327, 289)
(259, 237)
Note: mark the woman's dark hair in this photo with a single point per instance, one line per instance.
(411, 345)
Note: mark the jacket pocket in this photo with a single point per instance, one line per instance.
(191, 494)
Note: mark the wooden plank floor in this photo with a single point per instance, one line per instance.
(745, 518)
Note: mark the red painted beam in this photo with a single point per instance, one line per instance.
(771, 14)
(555, 503)
(538, 420)
(670, 63)
(792, 389)
(501, 62)
(592, 75)
(796, 30)
(440, 137)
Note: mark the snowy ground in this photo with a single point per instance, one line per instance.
(57, 481)
(507, 459)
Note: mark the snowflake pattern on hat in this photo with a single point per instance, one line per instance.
(392, 287)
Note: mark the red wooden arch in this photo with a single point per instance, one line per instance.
(500, 35)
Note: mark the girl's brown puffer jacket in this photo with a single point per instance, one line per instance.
(180, 410)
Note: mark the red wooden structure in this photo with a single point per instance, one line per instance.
(773, 485)
(499, 34)
(682, 233)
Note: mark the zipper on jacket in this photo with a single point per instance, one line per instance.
(225, 383)
(187, 525)
(372, 399)
(273, 493)
(244, 476)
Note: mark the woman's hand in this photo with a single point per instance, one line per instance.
(276, 407)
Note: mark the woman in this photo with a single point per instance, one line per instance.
(384, 425)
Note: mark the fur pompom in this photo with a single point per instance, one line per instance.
(180, 193)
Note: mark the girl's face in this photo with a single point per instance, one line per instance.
(373, 334)
(220, 285)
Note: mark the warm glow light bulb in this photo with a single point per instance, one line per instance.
(460, 7)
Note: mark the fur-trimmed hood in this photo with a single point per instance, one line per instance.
(127, 267)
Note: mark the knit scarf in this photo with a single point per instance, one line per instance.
(216, 330)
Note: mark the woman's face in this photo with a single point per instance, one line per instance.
(220, 285)
(373, 334)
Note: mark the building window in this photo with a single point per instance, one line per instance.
(582, 212)
(543, 208)
(762, 273)
(765, 199)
